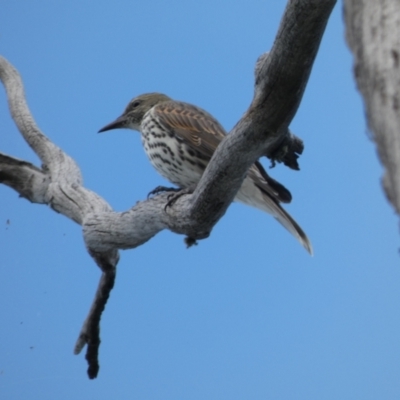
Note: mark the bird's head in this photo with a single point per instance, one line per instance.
(135, 111)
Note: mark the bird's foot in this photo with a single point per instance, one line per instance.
(173, 197)
(160, 189)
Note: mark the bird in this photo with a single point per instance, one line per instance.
(180, 138)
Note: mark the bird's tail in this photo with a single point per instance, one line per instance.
(251, 195)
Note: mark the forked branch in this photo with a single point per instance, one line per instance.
(281, 78)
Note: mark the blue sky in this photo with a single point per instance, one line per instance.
(247, 314)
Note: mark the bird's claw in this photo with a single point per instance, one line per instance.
(173, 197)
(160, 189)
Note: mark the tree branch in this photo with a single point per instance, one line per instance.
(373, 35)
(280, 82)
(281, 78)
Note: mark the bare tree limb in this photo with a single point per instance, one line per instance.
(26, 179)
(373, 34)
(90, 332)
(281, 78)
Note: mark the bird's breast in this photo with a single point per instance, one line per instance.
(169, 155)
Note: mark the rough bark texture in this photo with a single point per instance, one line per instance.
(373, 34)
(281, 77)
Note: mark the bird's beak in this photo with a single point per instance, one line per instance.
(119, 123)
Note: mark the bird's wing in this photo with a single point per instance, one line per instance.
(195, 127)
(202, 132)
(267, 184)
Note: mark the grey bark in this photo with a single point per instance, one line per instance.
(280, 81)
(373, 34)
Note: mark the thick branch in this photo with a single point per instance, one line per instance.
(280, 82)
(373, 34)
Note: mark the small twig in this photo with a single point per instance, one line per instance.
(90, 332)
(286, 151)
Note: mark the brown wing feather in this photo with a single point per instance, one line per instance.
(200, 130)
(194, 126)
(265, 183)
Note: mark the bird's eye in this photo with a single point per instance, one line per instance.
(135, 104)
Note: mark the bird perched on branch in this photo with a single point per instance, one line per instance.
(180, 138)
